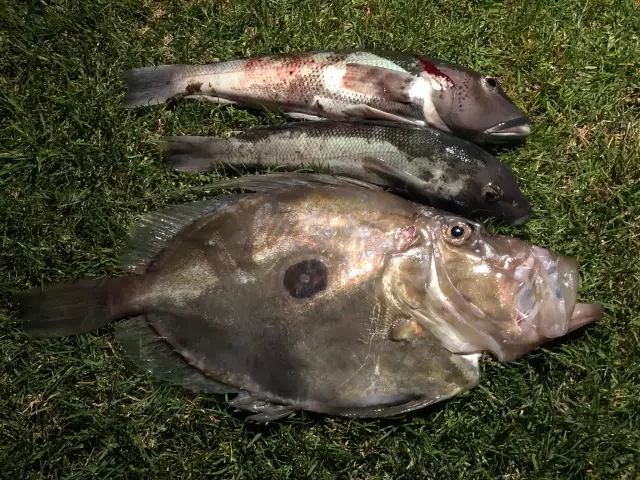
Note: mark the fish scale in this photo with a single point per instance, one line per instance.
(424, 164)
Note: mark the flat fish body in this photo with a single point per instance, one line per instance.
(318, 293)
(279, 295)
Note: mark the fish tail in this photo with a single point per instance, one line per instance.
(202, 154)
(75, 307)
(153, 85)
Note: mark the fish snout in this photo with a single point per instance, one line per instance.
(578, 314)
(558, 279)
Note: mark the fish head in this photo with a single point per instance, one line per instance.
(473, 105)
(483, 292)
(495, 193)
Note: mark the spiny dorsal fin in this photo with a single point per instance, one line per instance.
(151, 353)
(153, 231)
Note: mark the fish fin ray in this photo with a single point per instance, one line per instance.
(380, 82)
(153, 231)
(367, 112)
(71, 308)
(151, 353)
(263, 130)
(389, 411)
(211, 98)
(273, 413)
(405, 181)
(264, 411)
(151, 85)
(304, 116)
(274, 181)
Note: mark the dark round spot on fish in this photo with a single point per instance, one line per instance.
(306, 278)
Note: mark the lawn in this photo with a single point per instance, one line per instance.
(76, 169)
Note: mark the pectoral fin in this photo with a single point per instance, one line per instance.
(405, 330)
(398, 177)
(380, 82)
(304, 116)
(367, 112)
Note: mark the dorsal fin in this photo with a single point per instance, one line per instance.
(154, 355)
(151, 233)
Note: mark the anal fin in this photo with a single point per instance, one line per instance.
(384, 412)
(151, 353)
(264, 411)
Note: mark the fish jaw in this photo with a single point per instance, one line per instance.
(496, 294)
(512, 130)
(547, 306)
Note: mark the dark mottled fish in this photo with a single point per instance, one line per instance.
(351, 85)
(318, 294)
(424, 164)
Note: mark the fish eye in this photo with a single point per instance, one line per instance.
(458, 232)
(490, 82)
(491, 193)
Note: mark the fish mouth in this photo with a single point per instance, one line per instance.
(577, 314)
(547, 307)
(516, 128)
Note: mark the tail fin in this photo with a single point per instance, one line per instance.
(75, 307)
(202, 154)
(152, 85)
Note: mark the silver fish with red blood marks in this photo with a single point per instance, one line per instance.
(399, 87)
(317, 294)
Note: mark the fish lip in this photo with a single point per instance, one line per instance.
(519, 127)
(568, 277)
(577, 314)
(585, 313)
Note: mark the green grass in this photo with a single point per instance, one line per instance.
(76, 169)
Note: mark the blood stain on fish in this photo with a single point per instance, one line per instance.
(194, 88)
(431, 69)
